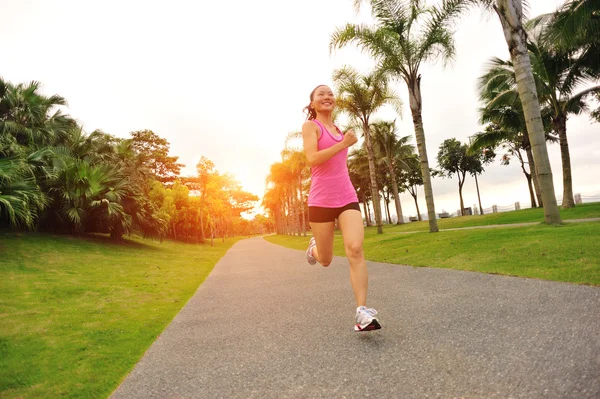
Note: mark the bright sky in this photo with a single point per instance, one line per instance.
(228, 80)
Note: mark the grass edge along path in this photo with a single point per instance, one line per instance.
(567, 253)
(532, 215)
(77, 314)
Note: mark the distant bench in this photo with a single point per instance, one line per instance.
(444, 215)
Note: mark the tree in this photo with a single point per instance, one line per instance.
(454, 160)
(557, 76)
(154, 151)
(361, 96)
(295, 160)
(510, 13)
(30, 117)
(407, 34)
(485, 157)
(412, 179)
(513, 142)
(393, 152)
(502, 109)
(575, 25)
(205, 170)
(358, 168)
(21, 199)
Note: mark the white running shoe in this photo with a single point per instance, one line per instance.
(309, 256)
(366, 320)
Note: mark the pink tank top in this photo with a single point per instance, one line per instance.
(330, 185)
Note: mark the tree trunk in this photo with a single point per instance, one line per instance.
(560, 125)
(373, 178)
(364, 202)
(387, 207)
(510, 13)
(369, 214)
(478, 195)
(417, 206)
(460, 187)
(284, 218)
(528, 177)
(416, 106)
(201, 215)
(302, 205)
(531, 194)
(396, 193)
(533, 176)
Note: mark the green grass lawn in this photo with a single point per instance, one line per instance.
(583, 211)
(568, 253)
(76, 314)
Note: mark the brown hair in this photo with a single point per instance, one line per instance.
(310, 111)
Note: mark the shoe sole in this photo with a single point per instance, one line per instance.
(373, 325)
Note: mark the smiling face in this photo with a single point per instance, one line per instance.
(322, 99)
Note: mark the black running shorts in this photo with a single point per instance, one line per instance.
(317, 214)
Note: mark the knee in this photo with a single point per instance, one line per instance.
(326, 261)
(354, 250)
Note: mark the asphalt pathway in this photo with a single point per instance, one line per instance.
(265, 324)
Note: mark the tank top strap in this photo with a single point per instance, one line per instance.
(320, 127)
(319, 124)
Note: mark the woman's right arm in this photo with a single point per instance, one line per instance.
(310, 136)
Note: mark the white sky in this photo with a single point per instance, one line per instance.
(228, 80)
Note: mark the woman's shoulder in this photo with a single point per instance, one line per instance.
(310, 125)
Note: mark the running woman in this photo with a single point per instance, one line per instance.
(332, 196)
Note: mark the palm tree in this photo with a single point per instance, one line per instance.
(358, 168)
(575, 25)
(21, 199)
(296, 161)
(279, 181)
(361, 96)
(502, 109)
(510, 13)
(394, 152)
(513, 142)
(557, 76)
(407, 34)
(26, 114)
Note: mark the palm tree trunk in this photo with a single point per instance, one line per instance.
(560, 125)
(279, 222)
(478, 196)
(369, 214)
(510, 14)
(302, 206)
(365, 209)
(396, 193)
(373, 178)
(295, 210)
(533, 177)
(416, 106)
(290, 216)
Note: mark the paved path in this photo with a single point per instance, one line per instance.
(265, 324)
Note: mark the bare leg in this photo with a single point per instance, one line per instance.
(353, 232)
(323, 233)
